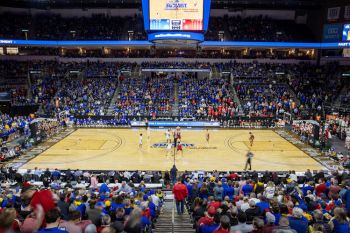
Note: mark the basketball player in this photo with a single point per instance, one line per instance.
(178, 133)
(249, 160)
(207, 136)
(179, 148)
(140, 141)
(148, 133)
(251, 138)
(167, 136)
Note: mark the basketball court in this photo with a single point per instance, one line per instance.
(118, 149)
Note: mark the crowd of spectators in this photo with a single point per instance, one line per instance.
(272, 89)
(175, 65)
(266, 202)
(131, 201)
(256, 28)
(56, 27)
(12, 127)
(343, 100)
(80, 88)
(148, 96)
(87, 96)
(79, 201)
(205, 98)
(261, 90)
(315, 86)
(16, 136)
(339, 125)
(87, 88)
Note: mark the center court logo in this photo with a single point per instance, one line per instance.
(192, 146)
(165, 145)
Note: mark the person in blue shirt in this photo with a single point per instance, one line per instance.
(117, 203)
(56, 174)
(152, 207)
(247, 189)
(104, 188)
(297, 221)
(263, 204)
(82, 207)
(307, 187)
(52, 218)
(228, 190)
(339, 224)
(189, 189)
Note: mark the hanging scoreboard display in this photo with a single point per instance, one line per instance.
(176, 15)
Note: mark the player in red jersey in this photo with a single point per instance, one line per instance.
(179, 147)
(178, 133)
(207, 136)
(251, 138)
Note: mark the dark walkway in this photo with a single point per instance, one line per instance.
(339, 145)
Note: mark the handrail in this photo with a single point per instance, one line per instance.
(173, 217)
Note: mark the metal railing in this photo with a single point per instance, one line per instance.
(173, 216)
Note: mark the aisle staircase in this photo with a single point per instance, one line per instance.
(175, 111)
(110, 110)
(170, 222)
(338, 100)
(29, 87)
(215, 73)
(235, 98)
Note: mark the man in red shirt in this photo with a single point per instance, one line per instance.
(321, 188)
(42, 197)
(208, 218)
(40, 201)
(180, 193)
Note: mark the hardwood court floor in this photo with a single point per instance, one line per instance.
(106, 149)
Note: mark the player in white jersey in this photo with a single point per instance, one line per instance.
(140, 141)
(167, 136)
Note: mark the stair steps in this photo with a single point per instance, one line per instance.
(170, 222)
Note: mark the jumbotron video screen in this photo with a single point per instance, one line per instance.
(176, 15)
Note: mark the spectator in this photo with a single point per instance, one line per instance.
(180, 194)
(258, 225)
(224, 225)
(52, 218)
(242, 224)
(252, 212)
(284, 226)
(339, 223)
(270, 223)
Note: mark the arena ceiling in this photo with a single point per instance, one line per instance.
(234, 5)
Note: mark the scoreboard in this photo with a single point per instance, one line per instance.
(176, 21)
(176, 15)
